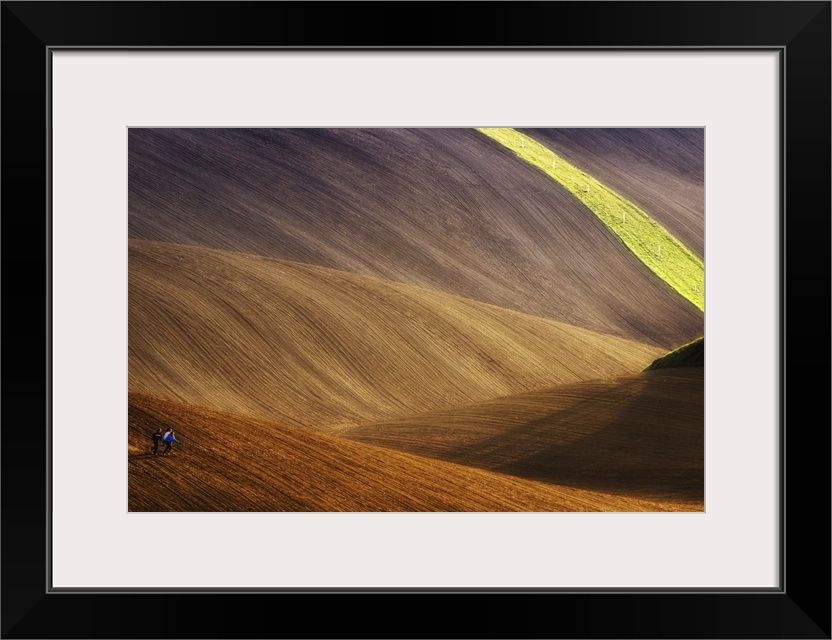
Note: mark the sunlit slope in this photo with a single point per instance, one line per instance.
(228, 463)
(650, 243)
(640, 434)
(662, 170)
(308, 346)
(435, 208)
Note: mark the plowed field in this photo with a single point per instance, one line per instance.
(407, 320)
(228, 463)
(662, 170)
(437, 208)
(325, 349)
(639, 435)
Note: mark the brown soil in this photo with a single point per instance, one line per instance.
(641, 435)
(228, 463)
(436, 208)
(322, 349)
(660, 170)
(405, 320)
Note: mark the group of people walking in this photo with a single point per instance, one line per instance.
(168, 438)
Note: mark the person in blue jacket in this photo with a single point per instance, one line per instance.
(169, 439)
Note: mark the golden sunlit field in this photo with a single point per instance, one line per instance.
(407, 320)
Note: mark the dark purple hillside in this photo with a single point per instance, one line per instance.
(660, 170)
(437, 208)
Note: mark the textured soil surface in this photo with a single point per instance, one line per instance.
(661, 170)
(227, 463)
(324, 349)
(446, 209)
(639, 434)
(406, 320)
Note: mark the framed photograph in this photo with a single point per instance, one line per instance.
(432, 320)
(419, 319)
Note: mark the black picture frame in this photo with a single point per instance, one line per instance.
(800, 608)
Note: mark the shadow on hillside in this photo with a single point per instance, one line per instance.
(143, 456)
(644, 439)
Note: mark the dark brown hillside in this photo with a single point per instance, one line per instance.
(436, 208)
(228, 463)
(642, 434)
(323, 349)
(661, 170)
(688, 355)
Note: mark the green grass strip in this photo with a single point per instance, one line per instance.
(663, 254)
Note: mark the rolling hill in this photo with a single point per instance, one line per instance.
(662, 170)
(229, 463)
(434, 208)
(655, 247)
(323, 349)
(688, 355)
(411, 320)
(639, 434)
